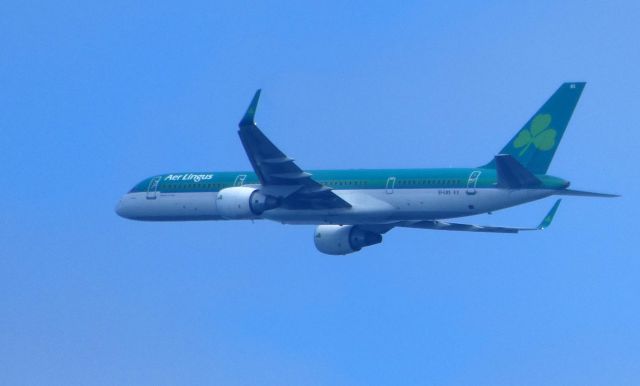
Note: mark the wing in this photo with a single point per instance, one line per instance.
(450, 226)
(279, 174)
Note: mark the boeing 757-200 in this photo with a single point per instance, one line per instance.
(353, 208)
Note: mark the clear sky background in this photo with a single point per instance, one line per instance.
(95, 96)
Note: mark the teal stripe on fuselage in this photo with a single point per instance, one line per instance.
(348, 179)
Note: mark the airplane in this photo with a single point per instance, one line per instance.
(353, 208)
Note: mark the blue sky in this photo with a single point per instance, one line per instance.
(95, 96)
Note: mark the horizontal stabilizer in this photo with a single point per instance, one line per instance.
(512, 175)
(570, 192)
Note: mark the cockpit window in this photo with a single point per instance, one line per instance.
(140, 186)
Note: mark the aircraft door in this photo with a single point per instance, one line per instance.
(240, 180)
(391, 183)
(152, 189)
(472, 182)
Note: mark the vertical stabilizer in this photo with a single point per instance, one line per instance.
(536, 143)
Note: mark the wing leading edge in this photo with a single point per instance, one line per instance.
(279, 174)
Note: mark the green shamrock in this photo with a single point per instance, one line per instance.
(539, 134)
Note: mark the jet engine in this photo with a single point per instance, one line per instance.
(343, 239)
(242, 202)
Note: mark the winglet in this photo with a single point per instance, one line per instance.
(248, 118)
(549, 217)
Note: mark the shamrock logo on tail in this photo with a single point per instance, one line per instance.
(540, 135)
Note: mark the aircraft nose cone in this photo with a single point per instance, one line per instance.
(121, 209)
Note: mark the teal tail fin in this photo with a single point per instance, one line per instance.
(535, 144)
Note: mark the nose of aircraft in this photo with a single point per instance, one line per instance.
(121, 209)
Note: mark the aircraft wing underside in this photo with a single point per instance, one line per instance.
(279, 174)
(450, 226)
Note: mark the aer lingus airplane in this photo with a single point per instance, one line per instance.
(354, 207)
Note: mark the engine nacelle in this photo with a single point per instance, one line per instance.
(243, 202)
(343, 239)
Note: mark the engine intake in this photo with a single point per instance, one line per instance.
(243, 202)
(343, 239)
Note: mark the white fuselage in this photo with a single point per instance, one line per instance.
(369, 206)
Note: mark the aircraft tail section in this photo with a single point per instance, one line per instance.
(535, 144)
(512, 175)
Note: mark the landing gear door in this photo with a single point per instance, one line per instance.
(472, 182)
(152, 189)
